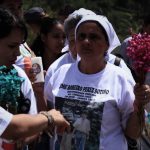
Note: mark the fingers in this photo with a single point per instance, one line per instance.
(59, 120)
(142, 94)
(32, 75)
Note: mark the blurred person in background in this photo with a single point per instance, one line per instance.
(33, 17)
(50, 41)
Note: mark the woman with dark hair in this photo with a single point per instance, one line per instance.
(24, 59)
(50, 42)
(16, 93)
(20, 97)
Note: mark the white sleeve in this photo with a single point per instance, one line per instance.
(27, 90)
(128, 72)
(20, 62)
(49, 73)
(5, 119)
(125, 103)
(48, 91)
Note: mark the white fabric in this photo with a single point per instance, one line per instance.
(24, 51)
(65, 49)
(103, 21)
(109, 86)
(27, 91)
(111, 59)
(82, 125)
(23, 60)
(5, 118)
(82, 12)
(64, 59)
(20, 62)
(67, 59)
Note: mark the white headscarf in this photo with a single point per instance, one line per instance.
(103, 21)
(82, 12)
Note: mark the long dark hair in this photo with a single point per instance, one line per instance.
(47, 26)
(8, 22)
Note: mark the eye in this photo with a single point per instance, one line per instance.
(11, 46)
(94, 37)
(56, 36)
(81, 36)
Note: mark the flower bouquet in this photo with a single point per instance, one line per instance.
(139, 52)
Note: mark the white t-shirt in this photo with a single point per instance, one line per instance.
(27, 91)
(107, 96)
(64, 59)
(67, 59)
(5, 118)
(111, 59)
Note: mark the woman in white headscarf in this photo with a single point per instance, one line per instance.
(100, 88)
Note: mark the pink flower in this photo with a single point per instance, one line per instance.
(139, 51)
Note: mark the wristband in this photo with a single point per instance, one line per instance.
(51, 123)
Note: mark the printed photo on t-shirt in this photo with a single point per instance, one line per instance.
(85, 118)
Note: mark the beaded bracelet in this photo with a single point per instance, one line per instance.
(51, 123)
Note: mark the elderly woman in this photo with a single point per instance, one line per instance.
(69, 27)
(100, 88)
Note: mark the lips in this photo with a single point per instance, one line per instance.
(86, 50)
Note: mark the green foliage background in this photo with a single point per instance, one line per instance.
(123, 14)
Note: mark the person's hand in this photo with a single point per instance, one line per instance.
(142, 94)
(59, 121)
(31, 75)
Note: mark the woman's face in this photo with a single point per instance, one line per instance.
(54, 40)
(91, 43)
(9, 47)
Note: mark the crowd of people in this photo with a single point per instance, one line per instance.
(89, 99)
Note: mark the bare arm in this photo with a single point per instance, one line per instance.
(136, 121)
(39, 94)
(24, 125)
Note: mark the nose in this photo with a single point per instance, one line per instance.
(86, 39)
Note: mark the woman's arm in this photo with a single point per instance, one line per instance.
(136, 121)
(24, 125)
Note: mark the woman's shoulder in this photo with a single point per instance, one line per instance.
(116, 69)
